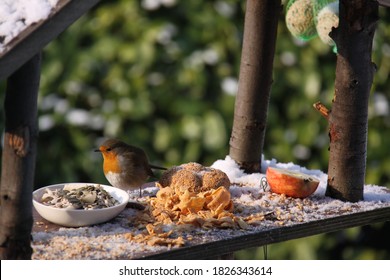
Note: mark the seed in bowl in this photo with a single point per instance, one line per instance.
(84, 198)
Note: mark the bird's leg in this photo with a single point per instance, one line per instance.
(140, 191)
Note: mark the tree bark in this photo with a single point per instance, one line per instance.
(348, 118)
(18, 161)
(251, 107)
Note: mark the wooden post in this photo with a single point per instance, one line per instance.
(348, 117)
(18, 161)
(251, 107)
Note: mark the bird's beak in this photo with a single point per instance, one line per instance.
(97, 150)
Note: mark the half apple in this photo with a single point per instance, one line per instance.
(291, 183)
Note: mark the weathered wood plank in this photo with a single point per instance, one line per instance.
(228, 245)
(37, 36)
(210, 247)
(216, 248)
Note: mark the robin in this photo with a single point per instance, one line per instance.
(125, 167)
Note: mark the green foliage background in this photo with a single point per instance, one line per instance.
(162, 75)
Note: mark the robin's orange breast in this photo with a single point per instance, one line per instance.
(111, 163)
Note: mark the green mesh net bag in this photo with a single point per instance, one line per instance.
(305, 19)
(300, 19)
(326, 17)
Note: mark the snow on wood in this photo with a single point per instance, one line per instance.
(270, 217)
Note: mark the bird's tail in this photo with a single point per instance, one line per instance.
(157, 167)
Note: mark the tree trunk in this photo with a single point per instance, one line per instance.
(348, 121)
(251, 107)
(18, 161)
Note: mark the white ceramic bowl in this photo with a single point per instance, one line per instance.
(78, 218)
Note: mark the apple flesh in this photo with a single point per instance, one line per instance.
(291, 183)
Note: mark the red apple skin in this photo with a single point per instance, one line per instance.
(290, 183)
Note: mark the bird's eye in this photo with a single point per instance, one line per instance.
(108, 149)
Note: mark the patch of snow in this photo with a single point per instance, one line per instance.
(17, 15)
